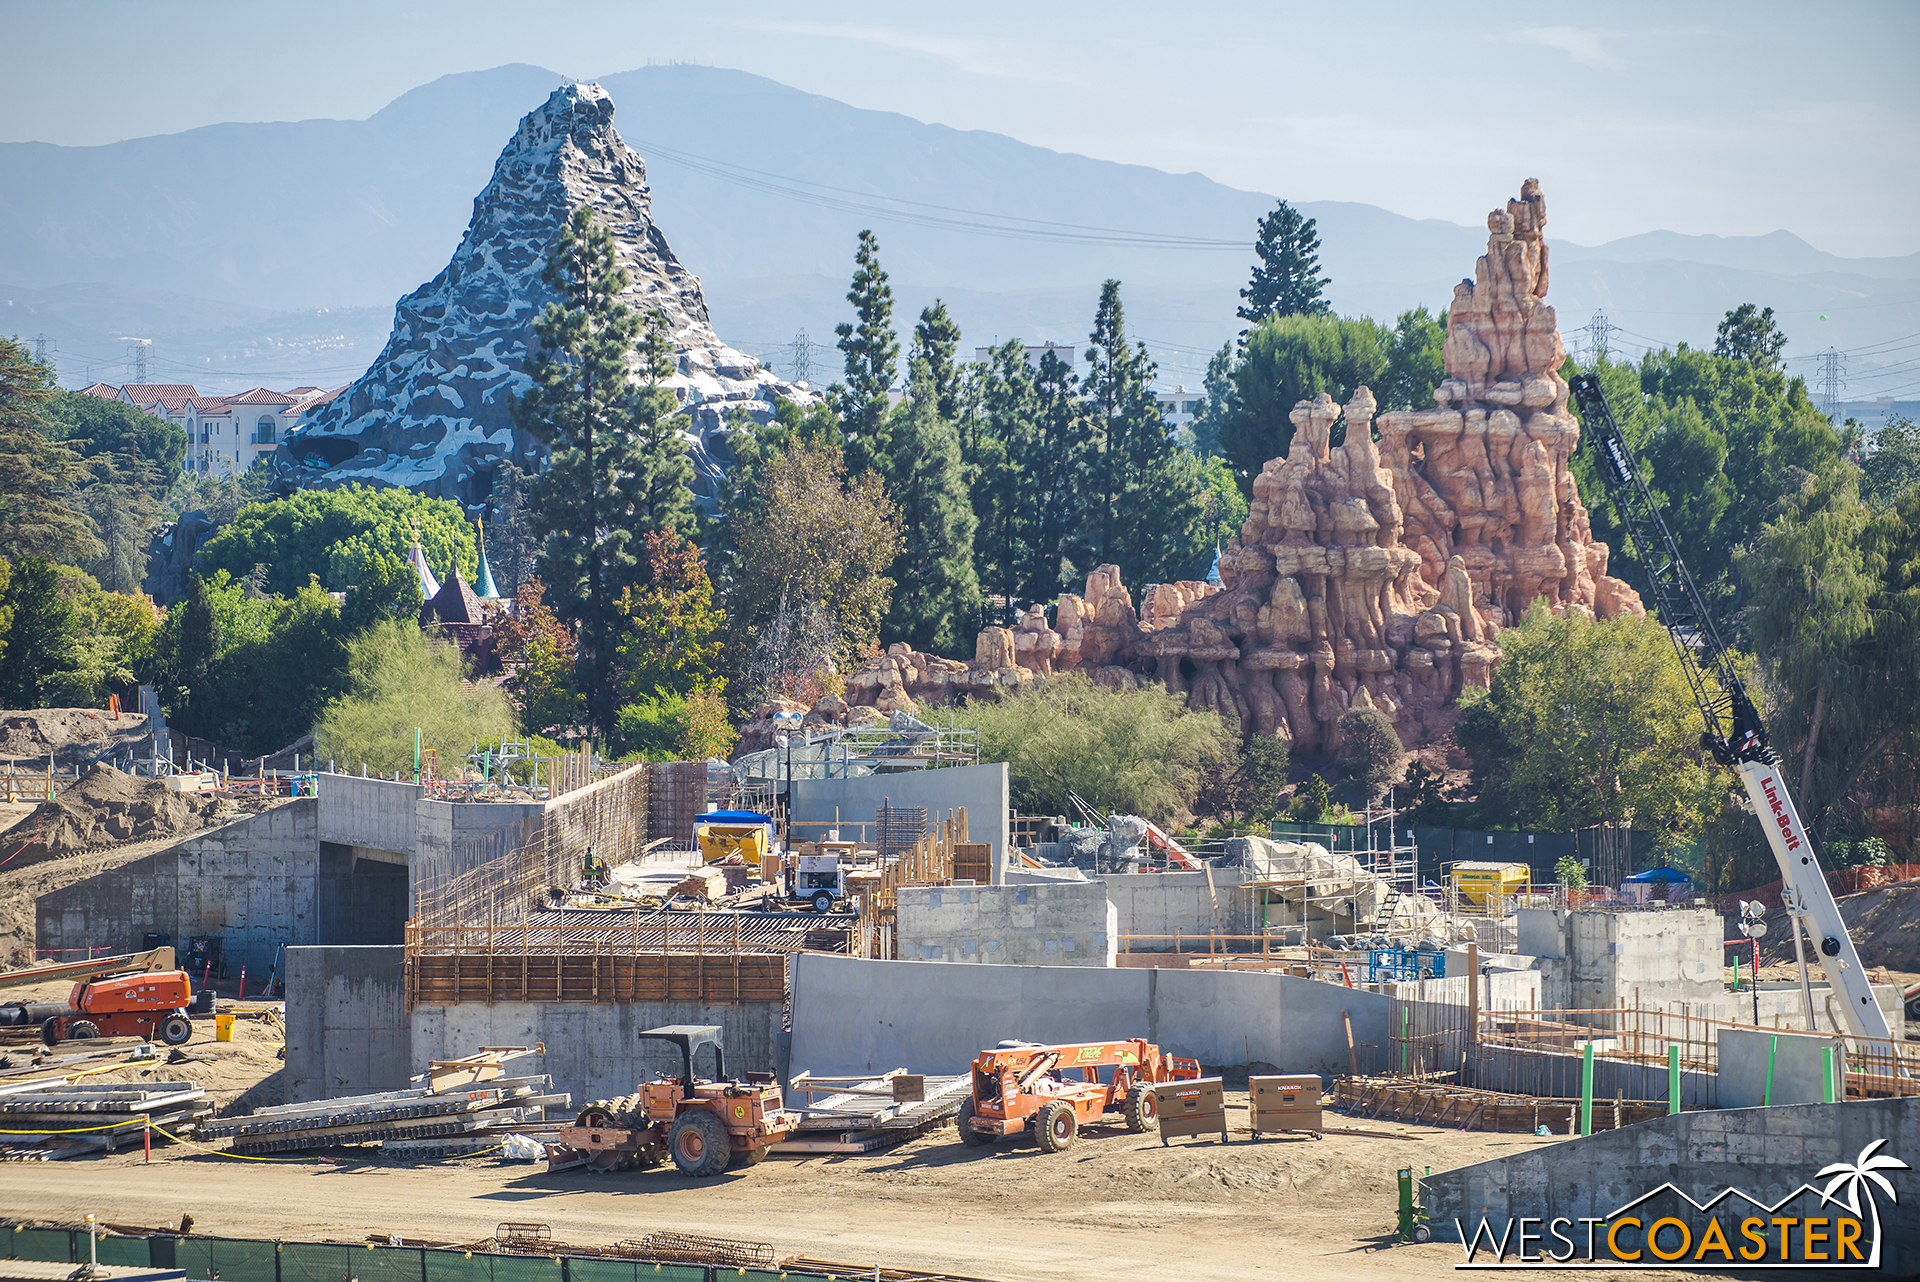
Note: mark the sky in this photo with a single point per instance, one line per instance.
(1711, 118)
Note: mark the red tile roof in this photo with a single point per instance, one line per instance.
(172, 395)
(262, 396)
(105, 391)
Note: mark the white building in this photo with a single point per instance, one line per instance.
(225, 434)
(1036, 352)
(1179, 406)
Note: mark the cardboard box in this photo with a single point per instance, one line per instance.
(1285, 1103)
(1197, 1107)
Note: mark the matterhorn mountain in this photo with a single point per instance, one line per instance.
(434, 412)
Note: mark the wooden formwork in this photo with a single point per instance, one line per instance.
(1438, 1103)
(451, 979)
(928, 862)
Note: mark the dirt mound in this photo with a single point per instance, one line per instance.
(106, 808)
(1885, 925)
(66, 733)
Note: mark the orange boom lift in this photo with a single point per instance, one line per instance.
(1021, 1086)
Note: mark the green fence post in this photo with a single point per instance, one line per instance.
(1826, 1065)
(1586, 1089)
(1773, 1048)
(1673, 1080)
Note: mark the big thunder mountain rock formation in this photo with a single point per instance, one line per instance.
(1371, 573)
(434, 412)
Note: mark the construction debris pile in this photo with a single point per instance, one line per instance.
(465, 1106)
(51, 1120)
(107, 807)
(65, 734)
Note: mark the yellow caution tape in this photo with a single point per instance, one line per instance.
(78, 1130)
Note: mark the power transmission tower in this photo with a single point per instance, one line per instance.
(1833, 369)
(802, 358)
(1599, 331)
(40, 342)
(137, 356)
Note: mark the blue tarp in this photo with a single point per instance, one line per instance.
(732, 817)
(1662, 876)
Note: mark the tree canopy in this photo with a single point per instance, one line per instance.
(342, 537)
(1286, 276)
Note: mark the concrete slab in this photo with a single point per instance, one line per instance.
(1071, 924)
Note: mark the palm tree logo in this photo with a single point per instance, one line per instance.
(1864, 1173)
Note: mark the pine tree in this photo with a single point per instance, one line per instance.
(936, 600)
(1747, 333)
(1287, 280)
(1153, 507)
(616, 470)
(936, 339)
(872, 350)
(37, 476)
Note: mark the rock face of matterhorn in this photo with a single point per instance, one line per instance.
(434, 412)
(1368, 574)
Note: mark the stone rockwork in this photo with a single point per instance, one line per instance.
(434, 411)
(1371, 573)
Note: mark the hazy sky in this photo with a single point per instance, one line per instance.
(1737, 119)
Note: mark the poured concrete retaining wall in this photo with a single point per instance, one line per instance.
(852, 1015)
(1798, 1068)
(256, 883)
(1179, 903)
(1070, 924)
(346, 1022)
(1766, 1153)
(593, 1049)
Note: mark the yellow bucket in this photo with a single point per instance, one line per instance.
(223, 1028)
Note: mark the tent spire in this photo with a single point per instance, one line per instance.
(484, 587)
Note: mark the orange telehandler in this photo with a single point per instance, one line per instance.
(1020, 1086)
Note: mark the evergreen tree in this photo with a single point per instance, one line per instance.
(1287, 360)
(936, 599)
(1415, 365)
(872, 351)
(617, 469)
(936, 339)
(1151, 494)
(1222, 398)
(37, 476)
(1747, 333)
(1287, 280)
(38, 636)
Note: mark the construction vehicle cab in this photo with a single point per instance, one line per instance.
(1055, 1090)
(705, 1125)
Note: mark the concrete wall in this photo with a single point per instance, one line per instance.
(1781, 1006)
(1179, 903)
(1071, 924)
(254, 882)
(1593, 959)
(1796, 1064)
(981, 789)
(1767, 1153)
(593, 1050)
(375, 813)
(347, 1028)
(852, 1015)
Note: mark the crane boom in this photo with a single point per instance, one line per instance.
(1735, 734)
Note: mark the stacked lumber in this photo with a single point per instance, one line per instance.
(859, 1115)
(450, 1119)
(56, 1119)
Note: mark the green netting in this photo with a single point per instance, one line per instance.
(317, 1262)
(234, 1260)
(522, 1268)
(122, 1250)
(590, 1270)
(41, 1244)
(677, 1273)
(388, 1264)
(454, 1266)
(195, 1255)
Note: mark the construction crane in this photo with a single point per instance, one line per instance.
(1735, 734)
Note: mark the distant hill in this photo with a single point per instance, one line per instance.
(225, 244)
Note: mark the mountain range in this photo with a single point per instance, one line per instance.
(273, 253)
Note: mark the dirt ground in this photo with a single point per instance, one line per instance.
(1116, 1205)
(70, 734)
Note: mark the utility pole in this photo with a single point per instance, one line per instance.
(802, 358)
(1833, 369)
(1599, 331)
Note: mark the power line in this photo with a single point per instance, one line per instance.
(802, 358)
(137, 357)
(1833, 366)
(1598, 330)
